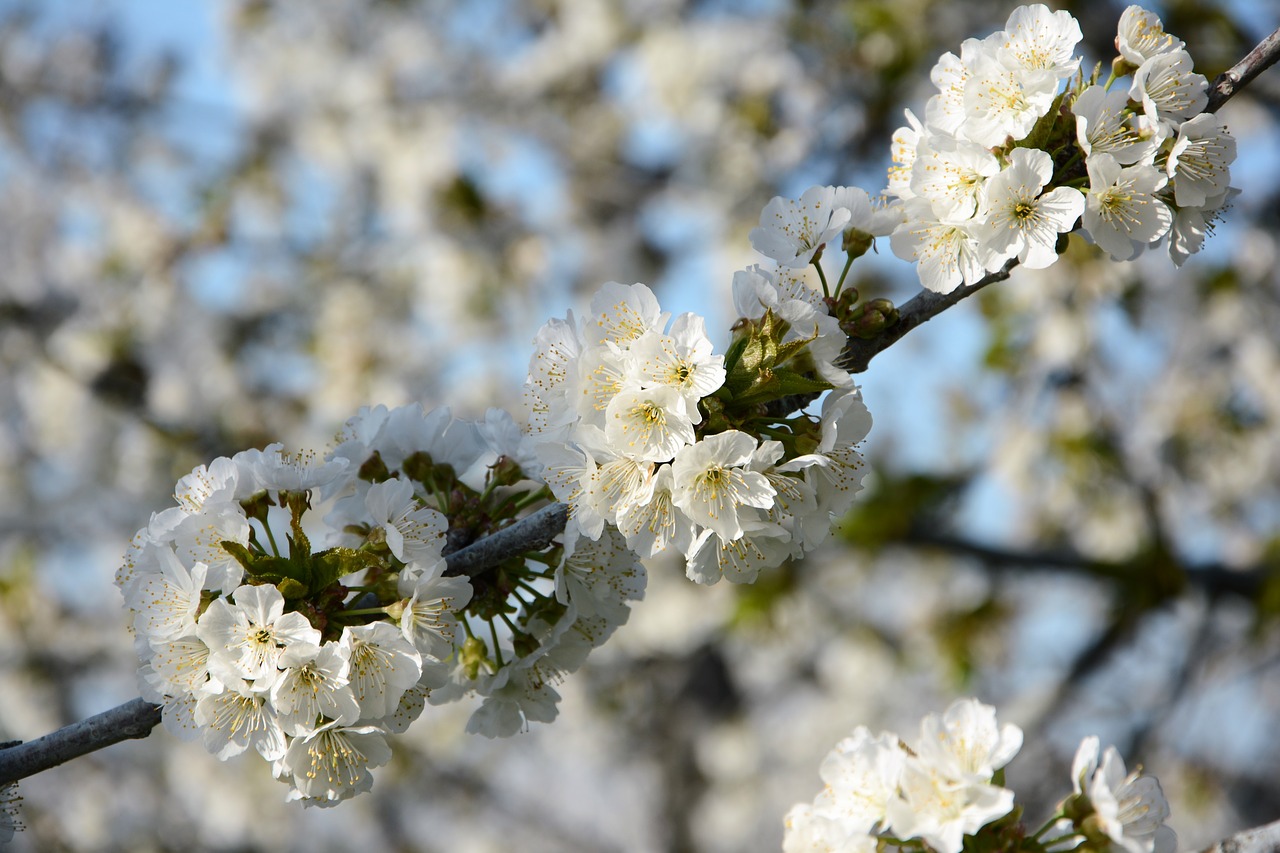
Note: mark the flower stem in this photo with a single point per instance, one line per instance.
(825, 290)
(843, 274)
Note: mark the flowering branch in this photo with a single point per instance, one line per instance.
(136, 719)
(1238, 76)
(312, 658)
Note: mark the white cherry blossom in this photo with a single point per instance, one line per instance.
(1002, 102)
(903, 154)
(951, 173)
(1168, 89)
(622, 314)
(413, 533)
(1140, 36)
(275, 469)
(942, 810)
(791, 231)
(1106, 125)
(947, 254)
(808, 831)
(236, 719)
(1130, 809)
(657, 524)
(712, 482)
(165, 602)
(314, 685)
(1038, 39)
(333, 762)
(247, 638)
(861, 775)
(1122, 213)
(428, 619)
(966, 742)
(1019, 221)
(649, 424)
(1191, 225)
(383, 665)
(944, 112)
(1199, 162)
(762, 545)
(681, 359)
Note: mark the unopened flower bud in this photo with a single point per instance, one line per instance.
(472, 655)
(1121, 67)
(374, 469)
(506, 471)
(856, 242)
(874, 317)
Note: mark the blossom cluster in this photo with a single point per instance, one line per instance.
(947, 791)
(643, 429)
(251, 638)
(1019, 146)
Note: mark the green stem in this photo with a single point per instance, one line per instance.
(522, 585)
(817, 266)
(362, 611)
(497, 649)
(532, 498)
(1048, 824)
(507, 619)
(843, 274)
(271, 538)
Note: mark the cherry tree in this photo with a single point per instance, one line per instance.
(174, 304)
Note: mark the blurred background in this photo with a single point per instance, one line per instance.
(225, 224)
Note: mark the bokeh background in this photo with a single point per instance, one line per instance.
(229, 223)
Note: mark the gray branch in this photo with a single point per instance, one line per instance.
(923, 307)
(531, 533)
(133, 719)
(1262, 839)
(1238, 76)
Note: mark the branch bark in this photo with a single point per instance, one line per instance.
(1238, 76)
(1214, 579)
(1262, 839)
(921, 308)
(134, 719)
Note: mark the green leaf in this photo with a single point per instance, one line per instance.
(1044, 127)
(268, 568)
(734, 353)
(328, 566)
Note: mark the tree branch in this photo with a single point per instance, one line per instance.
(1262, 839)
(133, 719)
(1238, 76)
(921, 308)
(531, 533)
(1213, 578)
